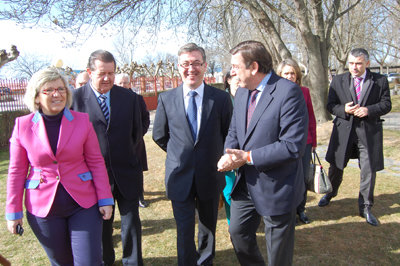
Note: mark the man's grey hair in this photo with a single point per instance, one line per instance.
(102, 55)
(121, 76)
(191, 47)
(357, 52)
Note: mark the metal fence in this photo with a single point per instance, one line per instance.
(12, 90)
(11, 95)
(151, 85)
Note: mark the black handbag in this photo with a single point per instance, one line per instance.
(318, 180)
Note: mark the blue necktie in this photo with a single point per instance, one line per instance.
(192, 113)
(104, 107)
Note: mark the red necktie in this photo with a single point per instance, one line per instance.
(252, 106)
(357, 87)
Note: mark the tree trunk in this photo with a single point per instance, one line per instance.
(317, 80)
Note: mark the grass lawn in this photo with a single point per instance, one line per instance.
(336, 235)
(395, 103)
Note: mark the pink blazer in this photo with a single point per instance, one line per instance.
(312, 123)
(78, 165)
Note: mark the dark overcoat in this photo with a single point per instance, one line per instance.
(375, 95)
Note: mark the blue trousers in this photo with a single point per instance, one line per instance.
(70, 234)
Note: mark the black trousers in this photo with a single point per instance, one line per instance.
(279, 232)
(184, 213)
(367, 176)
(131, 232)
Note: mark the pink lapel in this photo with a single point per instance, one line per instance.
(66, 129)
(39, 129)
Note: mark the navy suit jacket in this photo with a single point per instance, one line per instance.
(276, 137)
(191, 161)
(119, 138)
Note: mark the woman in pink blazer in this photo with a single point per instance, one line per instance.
(55, 157)
(289, 69)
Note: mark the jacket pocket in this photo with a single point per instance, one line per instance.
(32, 183)
(85, 176)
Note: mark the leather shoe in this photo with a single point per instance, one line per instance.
(369, 217)
(143, 204)
(324, 201)
(303, 218)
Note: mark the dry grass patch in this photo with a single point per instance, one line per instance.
(395, 103)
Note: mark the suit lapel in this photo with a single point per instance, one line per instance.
(66, 130)
(368, 83)
(39, 129)
(264, 101)
(181, 112)
(92, 105)
(115, 107)
(207, 105)
(347, 82)
(241, 113)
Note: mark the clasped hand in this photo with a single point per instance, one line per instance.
(232, 159)
(355, 110)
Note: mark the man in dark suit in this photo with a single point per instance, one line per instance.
(115, 114)
(191, 124)
(358, 99)
(266, 141)
(123, 80)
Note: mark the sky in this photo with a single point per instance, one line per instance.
(50, 45)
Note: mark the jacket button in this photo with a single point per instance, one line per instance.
(57, 177)
(55, 162)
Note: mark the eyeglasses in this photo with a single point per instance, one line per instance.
(195, 64)
(60, 90)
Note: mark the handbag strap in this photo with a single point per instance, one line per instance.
(313, 157)
(316, 155)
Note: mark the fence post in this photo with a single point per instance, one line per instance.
(142, 84)
(155, 85)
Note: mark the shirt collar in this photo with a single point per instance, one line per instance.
(107, 94)
(199, 90)
(263, 82)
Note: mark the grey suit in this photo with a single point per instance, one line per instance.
(191, 177)
(354, 137)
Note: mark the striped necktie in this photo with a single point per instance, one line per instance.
(357, 87)
(104, 107)
(252, 106)
(192, 114)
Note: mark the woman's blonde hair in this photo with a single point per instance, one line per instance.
(38, 80)
(292, 63)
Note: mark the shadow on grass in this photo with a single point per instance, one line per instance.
(220, 259)
(356, 243)
(340, 208)
(151, 197)
(151, 227)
